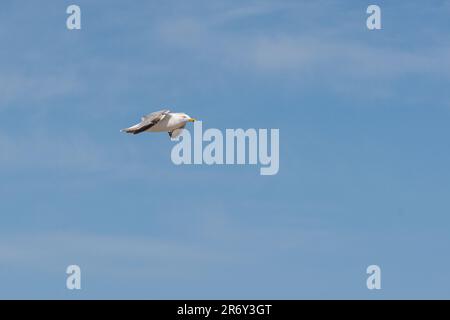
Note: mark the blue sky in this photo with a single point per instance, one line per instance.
(364, 150)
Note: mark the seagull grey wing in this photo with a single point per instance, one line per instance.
(155, 114)
(149, 121)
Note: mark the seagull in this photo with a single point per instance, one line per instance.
(161, 121)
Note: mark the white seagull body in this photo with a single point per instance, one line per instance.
(161, 121)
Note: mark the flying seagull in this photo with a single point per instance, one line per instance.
(161, 121)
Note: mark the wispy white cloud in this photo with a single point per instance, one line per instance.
(36, 88)
(305, 50)
(332, 57)
(39, 151)
(102, 254)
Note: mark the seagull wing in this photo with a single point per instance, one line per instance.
(154, 115)
(147, 122)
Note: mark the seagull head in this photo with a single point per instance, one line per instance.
(186, 118)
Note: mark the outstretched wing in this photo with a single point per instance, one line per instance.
(153, 115)
(148, 121)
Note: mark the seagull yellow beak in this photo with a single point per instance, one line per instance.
(192, 120)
